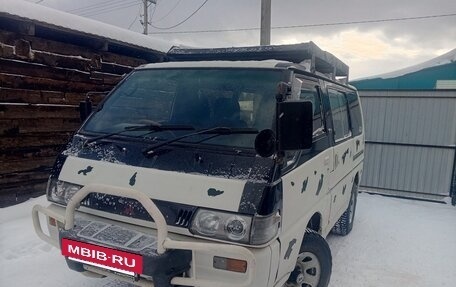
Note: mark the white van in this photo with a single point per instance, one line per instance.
(218, 167)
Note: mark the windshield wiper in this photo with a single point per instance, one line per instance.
(215, 131)
(156, 127)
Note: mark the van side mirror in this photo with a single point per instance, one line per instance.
(295, 125)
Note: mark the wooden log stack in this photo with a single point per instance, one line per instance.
(42, 81)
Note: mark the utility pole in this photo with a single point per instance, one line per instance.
(265, 33)
(146, 14)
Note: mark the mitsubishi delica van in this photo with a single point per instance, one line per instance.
(217, 167)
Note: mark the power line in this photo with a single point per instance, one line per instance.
(96, 9)
(133, 22)
(94, 6)
(183, 21)
(169, 12)
(111, 9)
(136, 18)
(309, 25)
(153, 12)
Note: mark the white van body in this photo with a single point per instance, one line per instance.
(206, 209)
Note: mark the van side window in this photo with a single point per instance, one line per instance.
(310, 93)
(339, 111)
(355, 113)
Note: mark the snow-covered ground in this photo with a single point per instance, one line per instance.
(395, 242)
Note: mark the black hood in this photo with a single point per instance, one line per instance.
(195, 159)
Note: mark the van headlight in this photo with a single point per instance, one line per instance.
(246, 229)
(207, 223)
(60, 191)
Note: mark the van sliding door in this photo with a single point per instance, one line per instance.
(340, 181)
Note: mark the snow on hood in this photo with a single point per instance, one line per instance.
(49, 16)
(446, 58)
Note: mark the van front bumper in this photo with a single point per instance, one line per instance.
(196, 256)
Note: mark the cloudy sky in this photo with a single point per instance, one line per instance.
(369, 49)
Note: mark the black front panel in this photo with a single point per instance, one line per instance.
(176, 214)
(232, 163)
(261, 199)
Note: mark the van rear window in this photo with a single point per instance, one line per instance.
(355, 113)
(339, 111)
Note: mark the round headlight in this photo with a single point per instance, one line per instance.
(207, 223)
(236, 228)
(60, 191)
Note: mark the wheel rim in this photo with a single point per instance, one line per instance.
(307, 272)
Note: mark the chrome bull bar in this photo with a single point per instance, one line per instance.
(163, 241)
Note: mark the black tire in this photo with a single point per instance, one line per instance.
(314, 251)
(344, 225)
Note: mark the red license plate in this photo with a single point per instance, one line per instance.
(106, 257)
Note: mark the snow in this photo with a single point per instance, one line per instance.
(263, 64)
(395, 243)
(49, 16)
(446, 58)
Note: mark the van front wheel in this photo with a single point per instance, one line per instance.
(314, 263)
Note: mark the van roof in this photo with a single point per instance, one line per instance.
(304, 54)
(266, 64)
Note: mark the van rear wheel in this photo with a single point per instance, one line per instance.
(314, 263)
(344, 225)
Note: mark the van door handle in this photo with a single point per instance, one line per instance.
(326, 162)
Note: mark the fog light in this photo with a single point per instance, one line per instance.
(230, 264)
(236, 227)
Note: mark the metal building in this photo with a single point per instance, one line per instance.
(410, 123)
(410, 143)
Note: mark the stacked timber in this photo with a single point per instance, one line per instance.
(42, 81)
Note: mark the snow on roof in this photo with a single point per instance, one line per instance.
(49, 16)
(446, 58)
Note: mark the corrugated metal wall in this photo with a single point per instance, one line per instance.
(410, 142)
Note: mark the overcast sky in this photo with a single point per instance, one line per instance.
(369, 49)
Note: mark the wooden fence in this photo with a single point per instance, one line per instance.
(42, 82)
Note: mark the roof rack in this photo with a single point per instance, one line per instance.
(304, 53)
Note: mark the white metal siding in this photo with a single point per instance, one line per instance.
(410, 142)
(408, 168)
(410, 117)
(445, 84)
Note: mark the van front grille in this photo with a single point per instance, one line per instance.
(175, 214)
(184, 217)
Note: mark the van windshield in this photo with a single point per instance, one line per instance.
(201, 98)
